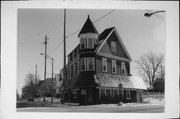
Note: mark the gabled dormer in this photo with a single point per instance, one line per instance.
(88, 35)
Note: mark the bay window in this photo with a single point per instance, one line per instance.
(83, 43)
(90, 63)
(90, 43)
(83, 64)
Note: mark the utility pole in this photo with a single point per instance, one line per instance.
(36, 71)
(64, 57)
(36, 80)
(45, 43)
(52, 83)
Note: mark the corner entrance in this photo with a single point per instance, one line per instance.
(86, 96)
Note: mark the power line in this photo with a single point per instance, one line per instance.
(41, 33)
(79, 30)
(93, 22)
(104, 16)
(55, 48)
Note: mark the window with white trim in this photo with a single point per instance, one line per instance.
(128, 94)
(68, 59)
(96, 41)
(69, 72)
(90, 63)
(90, 43)
(83, 43)
(83, 64)
(74, 67)
(113, 46)
(77, 67)
(123, 68)
(104, 65)
(114, 66)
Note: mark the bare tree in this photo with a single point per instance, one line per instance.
(31, 84)
(150, 65)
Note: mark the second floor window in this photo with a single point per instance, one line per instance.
(90, 43)
(74, 70)
(104, 65)
(114, 66)
(123, 68)
(77, 67)
(113, 46)
(96, 41)
(69, 72)
(90, 63)
(83, 64)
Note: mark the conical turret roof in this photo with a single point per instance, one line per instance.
(88, 27)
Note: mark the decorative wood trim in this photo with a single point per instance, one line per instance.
(113, 57)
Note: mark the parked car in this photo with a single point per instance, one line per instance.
(31, 99)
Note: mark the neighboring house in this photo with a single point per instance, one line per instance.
(98, 69)
(48, 87)
(58, 82)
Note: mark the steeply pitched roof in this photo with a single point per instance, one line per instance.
(105, 33)
(104, 36)
(88, 27)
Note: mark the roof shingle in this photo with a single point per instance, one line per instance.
(88, 27)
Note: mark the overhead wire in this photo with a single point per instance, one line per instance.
(79, 30)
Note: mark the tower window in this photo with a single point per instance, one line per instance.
(83, 43)
(83, 64)
(90, 43)
(96, 41)
(90, 63)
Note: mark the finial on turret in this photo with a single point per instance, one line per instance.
(88, 15)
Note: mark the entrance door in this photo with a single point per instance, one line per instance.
(139, 96)
(83, 97)
(90, 96)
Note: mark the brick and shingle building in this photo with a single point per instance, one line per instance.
(98, 69)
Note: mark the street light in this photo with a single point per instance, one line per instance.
(150, 14)
(52, 77)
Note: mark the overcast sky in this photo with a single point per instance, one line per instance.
(139, 34)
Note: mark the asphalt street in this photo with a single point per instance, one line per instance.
(106, 108)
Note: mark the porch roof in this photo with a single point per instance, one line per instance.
(110, 80)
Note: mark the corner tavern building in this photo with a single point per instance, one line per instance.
(98, 69)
